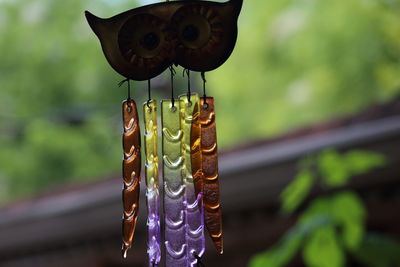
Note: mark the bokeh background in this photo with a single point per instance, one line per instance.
(301, 70)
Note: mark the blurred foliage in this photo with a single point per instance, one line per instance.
(378, 251)
(296, 62)
(301, 61)
(298, 190)
(333, 226)
(335, 170)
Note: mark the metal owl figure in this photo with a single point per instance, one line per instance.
(141, 43)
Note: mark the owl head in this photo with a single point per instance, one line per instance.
(141, 43)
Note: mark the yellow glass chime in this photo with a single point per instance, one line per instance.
(152, 181)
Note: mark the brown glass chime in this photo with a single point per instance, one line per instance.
(140, 44)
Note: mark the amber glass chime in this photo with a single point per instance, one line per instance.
(209, 167)
(131, 172)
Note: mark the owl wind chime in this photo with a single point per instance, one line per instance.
(140, 44)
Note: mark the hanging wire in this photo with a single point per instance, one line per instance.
(129, 87)
(173, 73)
(189, 93)
(203, 77)
(149, 93)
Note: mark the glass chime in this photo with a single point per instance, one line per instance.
(140, 44)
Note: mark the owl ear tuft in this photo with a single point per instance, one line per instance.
(93, 21)
(237, 5)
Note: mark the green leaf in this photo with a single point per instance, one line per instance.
(290, 244)
(322, 249)
(349, 214)
(378, 251)
(333, 168)
(279, 255)
(337, 169)
(361, 162)
(319, 207)
(345, 210)
(295, 193)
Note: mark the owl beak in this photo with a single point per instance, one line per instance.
(94, 22)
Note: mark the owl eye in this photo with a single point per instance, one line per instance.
(144, 41)
(198, 27)
(199, 30)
